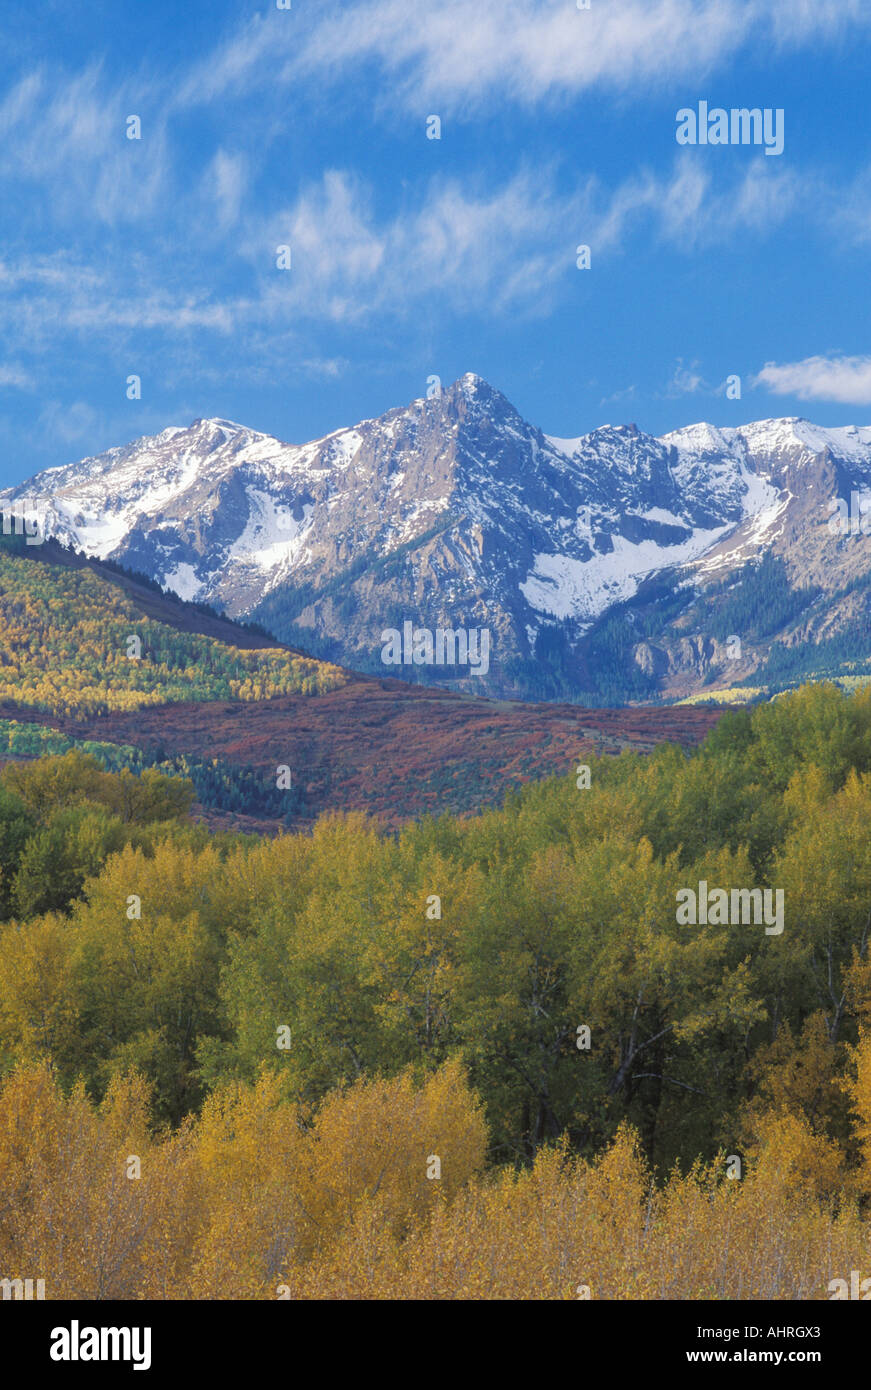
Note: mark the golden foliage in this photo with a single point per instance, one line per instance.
(63, 648)
(258, 1200)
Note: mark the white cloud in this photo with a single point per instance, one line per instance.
(41, 297)
(16, 378)
(69, 422)
(69, 133)
(461, 245)
(687, 210)
(628, 393)
(461, 53)
(226, 183)
(498, 249)
(846, 380)
(325, 368)
(685, 381)
(483, 249)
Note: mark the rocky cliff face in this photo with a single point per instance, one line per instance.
(603, 567)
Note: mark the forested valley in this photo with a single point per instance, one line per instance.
(475, 1058)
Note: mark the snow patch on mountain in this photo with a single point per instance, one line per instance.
(272, 535)
(183, 581)
(563, 587)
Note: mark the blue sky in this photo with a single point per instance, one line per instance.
(413, 257)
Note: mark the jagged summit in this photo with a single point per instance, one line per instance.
(482, 517)
(215, 423)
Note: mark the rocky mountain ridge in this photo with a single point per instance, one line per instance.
(602, 566)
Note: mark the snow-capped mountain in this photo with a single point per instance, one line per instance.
(455, 512)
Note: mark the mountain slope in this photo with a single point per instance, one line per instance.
(221, 705)
(599, 566)
(75, 641)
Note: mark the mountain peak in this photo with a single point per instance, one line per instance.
(216, 423)
(475, 388)
(477, 510)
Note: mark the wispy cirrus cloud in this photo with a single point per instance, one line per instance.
(843, 380)
(465, 53)
(66, 133)
(464, 245)
(15, 377)
(476, 248)
(496, 249)
(60, 293)
(689, 207)
(225, 185)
